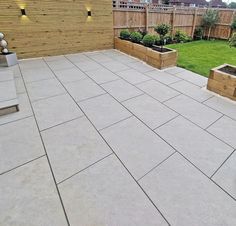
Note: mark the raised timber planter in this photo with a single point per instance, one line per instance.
(157, 59)
(222, 80)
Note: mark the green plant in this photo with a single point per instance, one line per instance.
(198, 33)
(233, 25)
(149, 40)
(162, 30)
(181, 36)
(209, 20)
(125, 34)
(232, 40)
(136, 37)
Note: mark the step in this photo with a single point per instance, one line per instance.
(8, 97)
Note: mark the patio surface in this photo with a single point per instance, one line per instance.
(103, 139)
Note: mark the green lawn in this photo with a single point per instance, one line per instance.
(201, 56)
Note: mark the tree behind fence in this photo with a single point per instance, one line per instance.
(142, 16)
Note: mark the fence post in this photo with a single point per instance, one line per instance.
(194, 21)
(146, 16)
(173, 21)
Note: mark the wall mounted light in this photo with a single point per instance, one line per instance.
(89, 13)
(23, 12)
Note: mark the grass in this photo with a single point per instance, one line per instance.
(201, 56)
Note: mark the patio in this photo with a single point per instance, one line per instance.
(102, 139)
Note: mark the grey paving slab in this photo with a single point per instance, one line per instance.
(32, 63)
(192, 77)
(193, 110)
(104, 110)
(191, 90)
(20, 87)
(133, 76)
(226, 176)
(102, 75)
(60, 64)
(112, 53)
(34, 75)
(88, 65)
(141, 66)
(55, 110)
(6, 75)
(78, 57)
(28, 196)
(137, 146)
(115, 66)
(124, 58)
(121, 90)
(70, 75)
(83, 89)
(109, 196)
(150, 111)
(25, 110)
(186, 197)
(100, 58)
(44, 89)
(225, 129)
(20, 143)
(223, 105)
(157, 90)
(201, 148)
(7, 90)
(54, 58)
(174, 70)
(163, 77)
(73, 146)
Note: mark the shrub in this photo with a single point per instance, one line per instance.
(142, 32)
(233, 25)
(125, 34)
(149, 40)
(198, 33)
(181, 36)
(162, 30)
(232, 41)
(136, 37)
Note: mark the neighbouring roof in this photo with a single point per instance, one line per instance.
(217, 3)
(196, 2)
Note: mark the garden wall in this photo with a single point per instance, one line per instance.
(54, 27)
(134, 16)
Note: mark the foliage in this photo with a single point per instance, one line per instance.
(198, 33)
(125, 34)
(201, 56)
(232, 5)
(181, 36)
(142, 32)
(233, 25)
(232, 40)
(149, 40)
(136, 37)
(209, 20)
(162, 30)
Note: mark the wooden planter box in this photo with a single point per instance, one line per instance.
(150, 56)
(222, 83)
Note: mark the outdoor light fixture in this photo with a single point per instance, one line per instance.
(89, 13)
(23, 12)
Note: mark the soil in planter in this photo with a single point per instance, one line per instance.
(163, 50)
(229, 70)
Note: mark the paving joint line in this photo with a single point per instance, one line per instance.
(131, 98)
(16, 120)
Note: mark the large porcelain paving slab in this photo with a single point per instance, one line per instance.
(138, 147)
(104, 111)
(7, 90)
(194, 111)
(6, 75)
(163, 77)
(100, 58)
(201, 148)
(192, 77)
(73, 146)
(20, 86)
(20, 143)
(192, 90)
(132, 76)
(225, 129)
(32, 75)
(121, 90)
(32, 63)
(88, 65)
(150, 111)
(125, 59)
(115, 66)
(55, 110)
(226, 175)
(83, 89)
(140, 66)
(44, 89)
(28, 196)
(157, 90)
(54, 58)
(174, 70)
(70, 75)
(60, 64)
(223, 105)
(77, 57)
(25, 110)
(102, 75)
(105, 194)
(186, 197)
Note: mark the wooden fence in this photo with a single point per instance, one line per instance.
(146, 16)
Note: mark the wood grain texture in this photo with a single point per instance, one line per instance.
(54, 27)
